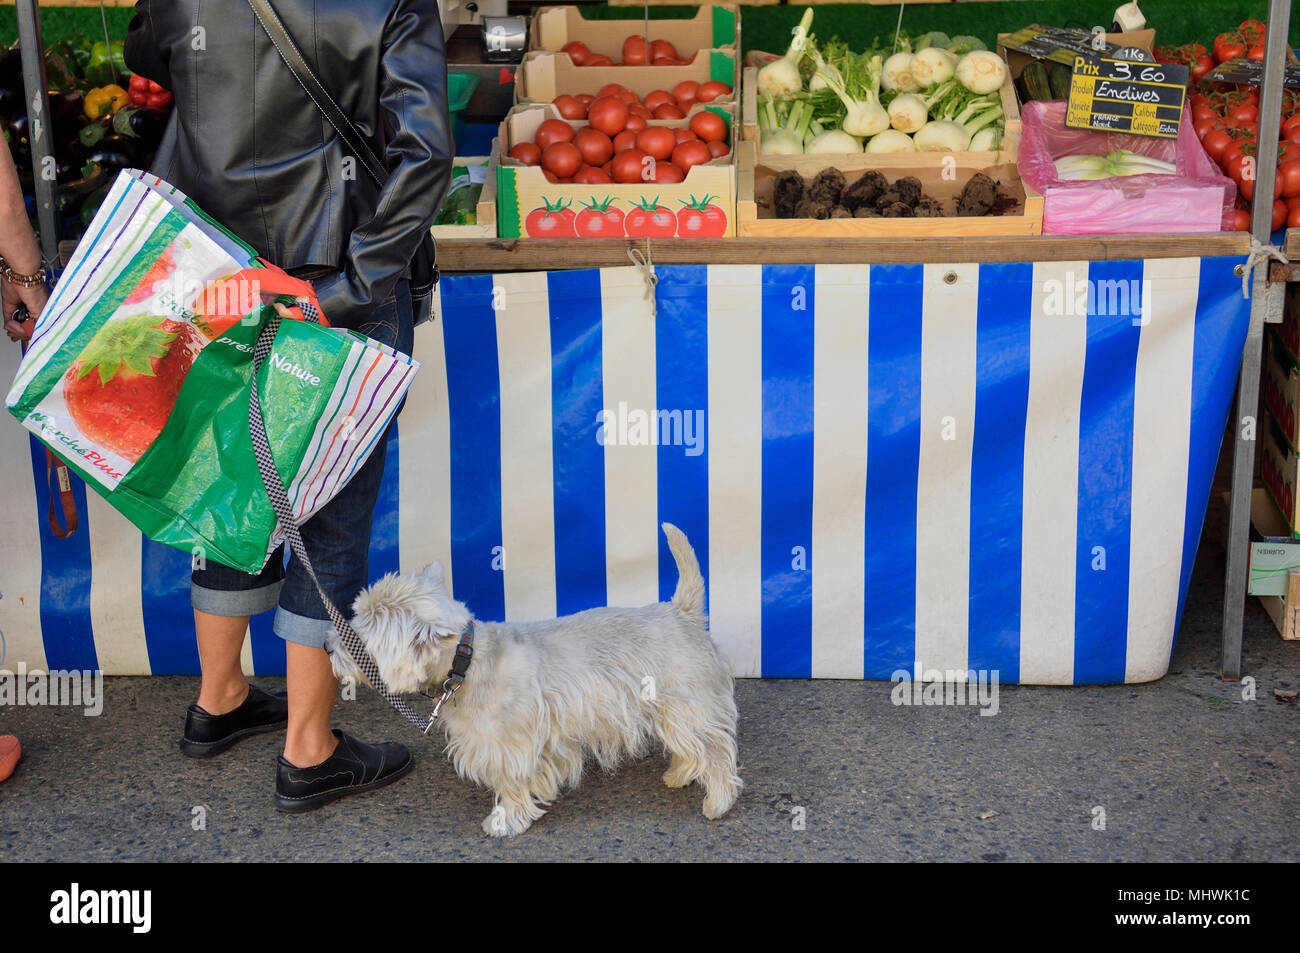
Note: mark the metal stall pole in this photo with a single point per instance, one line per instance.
(38, 120)
(1265, 306)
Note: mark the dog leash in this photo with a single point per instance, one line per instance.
(349, 641)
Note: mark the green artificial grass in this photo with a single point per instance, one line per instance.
(768, 27)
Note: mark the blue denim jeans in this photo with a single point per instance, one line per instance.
(337, 537)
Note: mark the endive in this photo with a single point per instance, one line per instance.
(1121, 162)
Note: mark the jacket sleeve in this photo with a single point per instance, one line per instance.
(413, 94)
(141, 49)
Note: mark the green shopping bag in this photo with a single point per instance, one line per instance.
(139, 376)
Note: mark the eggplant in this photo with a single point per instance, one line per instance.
(11, 70)
(115, 152)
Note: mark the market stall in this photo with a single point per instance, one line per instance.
(927, 436)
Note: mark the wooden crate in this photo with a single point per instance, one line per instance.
(486, 209)
(712, 27)
(1007, 94)
(543, 76)
(754, 193)
(522, 190)
(1271, 540)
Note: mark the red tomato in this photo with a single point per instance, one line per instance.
(634, 51)
(526, 152)
(593, 175)
(1293, 218)
(630, 165)
(701, 220)
(1228, 46)
(1201, 68)
(562, 158)
(1286, 151)
(649, 220)
(709, 126)
(550, 221)
(656, 98)
(687, 91)
(628, 97)
(598, 220)
(665, 61)
(1288, 174)
(624, 140)
(1203, 127)
(578, 51)
(669, 111)
(659, 49)
(1216, 143)
(1290, 123)
(608, 114)
(635, 123)
(656, 141)
(550, 176)
(586, 99)
(552, 130)
(1279, 216)
(717, 149)
(684, 135)
(1203, 112)
(711, 90)
(594, 145)
(1256, 53)
(609, 89)
(636, 109)
(668, 173)
(690, 154)
(1245, 113)
(570, 107)
(599, 59)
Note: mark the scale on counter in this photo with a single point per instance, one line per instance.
(504, 39)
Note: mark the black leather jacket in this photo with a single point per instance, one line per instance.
(249, 146)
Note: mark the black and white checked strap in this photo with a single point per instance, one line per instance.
(348, 639)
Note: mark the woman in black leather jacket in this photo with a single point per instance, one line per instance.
(253, 150)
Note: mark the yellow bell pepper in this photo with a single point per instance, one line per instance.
(106, 101)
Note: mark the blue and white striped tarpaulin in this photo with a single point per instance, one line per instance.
(999, 466)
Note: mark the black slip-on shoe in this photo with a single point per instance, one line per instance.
(207, 735)
(354, 767)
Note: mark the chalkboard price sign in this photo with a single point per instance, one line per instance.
(1145, 99)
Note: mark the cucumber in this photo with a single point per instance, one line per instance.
(1059, 76)
(1034, 81)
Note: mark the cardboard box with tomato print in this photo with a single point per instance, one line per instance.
(712, 27)
(543, 76)
(701, 205)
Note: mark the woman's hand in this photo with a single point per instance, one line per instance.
(11, 296)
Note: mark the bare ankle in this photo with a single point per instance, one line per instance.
(223, 698)
(305, 753)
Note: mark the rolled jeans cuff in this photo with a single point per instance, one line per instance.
(235, 602)
(300, 629)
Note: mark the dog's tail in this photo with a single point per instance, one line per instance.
(689, 597)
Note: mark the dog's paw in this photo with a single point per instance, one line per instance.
(501, 823)
(676, 778)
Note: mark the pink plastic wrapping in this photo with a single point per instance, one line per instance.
(1197, 198)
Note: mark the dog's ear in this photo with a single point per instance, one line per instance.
(434, 573)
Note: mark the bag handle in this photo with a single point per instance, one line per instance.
(279, 497)
(269, 280)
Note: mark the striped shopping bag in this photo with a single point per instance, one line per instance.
(139, 376)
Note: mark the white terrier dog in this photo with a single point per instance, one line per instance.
(540, 696)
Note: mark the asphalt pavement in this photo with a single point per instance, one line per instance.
(1183, 769)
